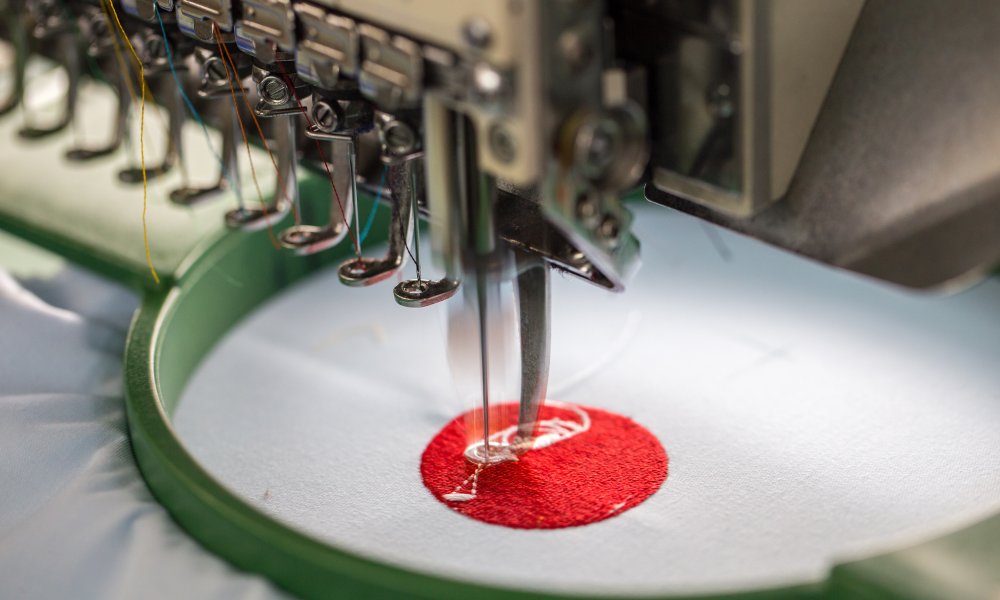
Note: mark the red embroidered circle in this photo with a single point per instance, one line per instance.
(588, 477)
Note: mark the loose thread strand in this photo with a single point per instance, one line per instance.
(142, 133)
(246, 140)
(326, 166)
(374, 209)
(187, 100)
(253, 115)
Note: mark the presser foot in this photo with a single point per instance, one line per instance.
(38, 133)
(9, 106)
(134, 175)
(496, 453)
(362, 271)
(310, 239)
(418, 293)
(190, 196)
(255, 219)
(85, 154)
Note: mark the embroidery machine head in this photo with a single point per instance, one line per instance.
(516, 128)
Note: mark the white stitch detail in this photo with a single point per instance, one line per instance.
(551, 431)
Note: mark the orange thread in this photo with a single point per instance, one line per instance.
(253, 115)
(246, 140)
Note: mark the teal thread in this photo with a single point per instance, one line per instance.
(374, 208)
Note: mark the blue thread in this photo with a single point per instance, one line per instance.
(187, 101)
(374, 209)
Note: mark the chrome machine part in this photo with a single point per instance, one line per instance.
(200, 18)
(12, 11)
(746, 82)
(363, 271)
(152, 50)
(534, 302)
(329, 48)
(100, 48)
(182, 47)
(52, 23)
(266, 31)
(896, 178)
(401, 142)
(215, 85)
(401, 153)
(309, 239)
(327, 59)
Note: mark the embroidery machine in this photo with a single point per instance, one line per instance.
(516, 129)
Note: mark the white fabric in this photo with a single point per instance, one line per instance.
(809, 415)
(76, 519)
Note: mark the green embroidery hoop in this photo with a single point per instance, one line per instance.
(197, 302)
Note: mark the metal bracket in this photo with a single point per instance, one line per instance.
(329, 47)
(196, 17)
(266, 27)
(391, 69)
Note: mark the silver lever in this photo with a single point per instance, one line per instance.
(362, 271)
(174, 105)
(51, 22)
(275, 98)
(18, 37)
(215, 86)
(399, 140)
(101, 48)
(420, 292)
(400, 151)
(331, 122)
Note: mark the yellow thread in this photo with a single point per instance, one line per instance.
(125, 71)
(118, 55)
(142, 131)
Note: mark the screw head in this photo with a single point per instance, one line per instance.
(273, 90)
(215, 70)
(599, 143)
(609, 228)
(502, 143)
(325, 116)
(155, 47)
(487, 82)
(477, 32)
(720, 101)
(577, 49)
(399, 138)
(610, 148)
(587, 209)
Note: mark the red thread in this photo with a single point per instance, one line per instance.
(598, 474)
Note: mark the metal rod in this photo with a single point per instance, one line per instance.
(353, 190)
(231, 153)
(416, 223)
(287, 149)
(484, 361)
(533, 292)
